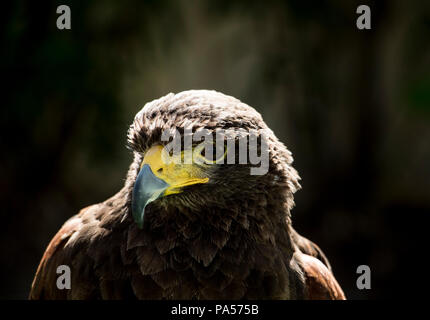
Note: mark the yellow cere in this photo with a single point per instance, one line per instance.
(173, 169)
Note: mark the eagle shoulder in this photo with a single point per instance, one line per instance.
(320, 284)
(56, 254)
(308, 247)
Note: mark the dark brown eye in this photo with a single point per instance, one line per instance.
(215, 152)
(208, 152)
(160, 170)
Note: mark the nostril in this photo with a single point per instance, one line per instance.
(160, 170)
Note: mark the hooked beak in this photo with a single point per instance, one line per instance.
(162, 176)
(147, 188)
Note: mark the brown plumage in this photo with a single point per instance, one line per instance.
(230, 238)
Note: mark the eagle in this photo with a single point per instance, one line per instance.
(195, 230)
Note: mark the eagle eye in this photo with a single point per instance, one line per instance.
(210, 153)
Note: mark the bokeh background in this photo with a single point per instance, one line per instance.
(353, 106)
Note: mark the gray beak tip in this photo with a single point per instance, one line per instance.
(147, 188)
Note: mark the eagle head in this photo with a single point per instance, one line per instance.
(201, 149)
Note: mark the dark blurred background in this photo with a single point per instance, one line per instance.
(353, 106)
